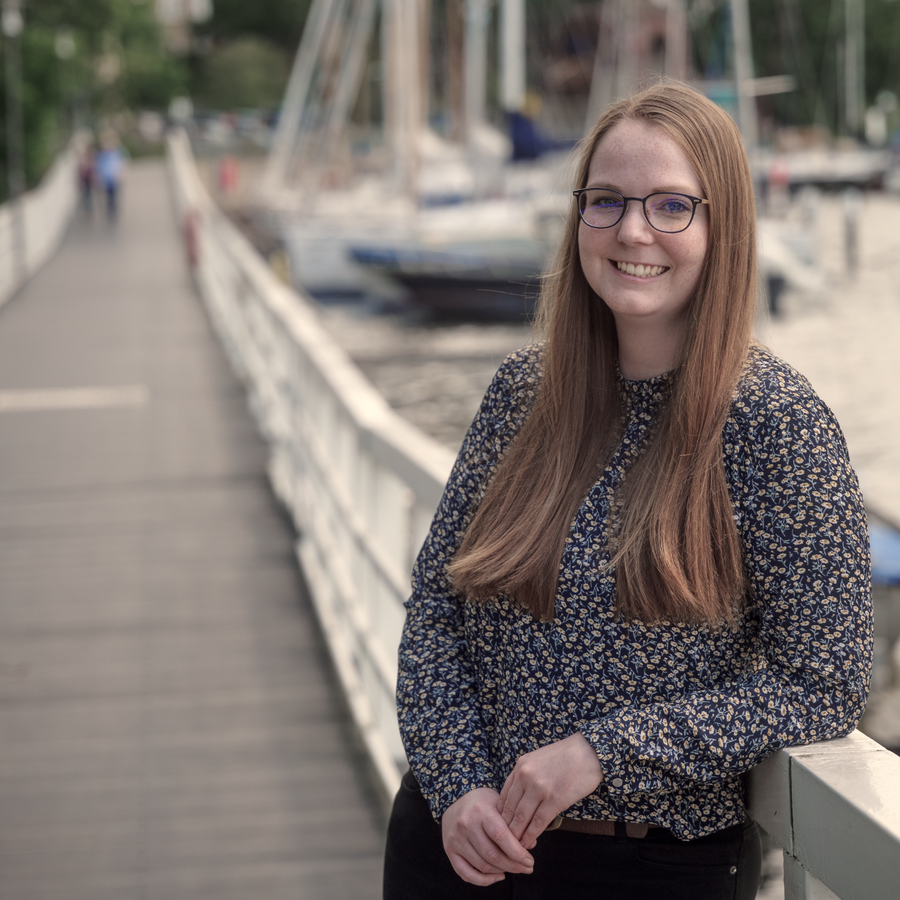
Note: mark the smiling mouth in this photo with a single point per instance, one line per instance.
(639, 270)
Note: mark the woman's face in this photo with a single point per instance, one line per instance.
(638, 159)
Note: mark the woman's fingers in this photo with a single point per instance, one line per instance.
(518, 807)
(545, 782)
(470, 874)
(543, 816)
(499, 847)
(477, 840)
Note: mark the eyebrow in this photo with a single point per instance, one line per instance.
(659, 190)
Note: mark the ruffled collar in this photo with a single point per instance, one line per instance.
(645, 391)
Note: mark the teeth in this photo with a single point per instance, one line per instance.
(641, 271)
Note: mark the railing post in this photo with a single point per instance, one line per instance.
(834, 808)
(801, 884)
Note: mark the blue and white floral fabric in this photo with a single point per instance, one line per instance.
(676, 712)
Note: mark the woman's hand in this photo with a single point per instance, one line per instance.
(545, 782)
(478, 842)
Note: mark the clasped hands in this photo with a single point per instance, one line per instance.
(487, 834)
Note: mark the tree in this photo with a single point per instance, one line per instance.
(245, 73)
(113, 60)
(805, 39)
(278, 21)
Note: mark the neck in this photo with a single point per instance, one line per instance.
(647, 350)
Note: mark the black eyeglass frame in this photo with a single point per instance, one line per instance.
(695, 202)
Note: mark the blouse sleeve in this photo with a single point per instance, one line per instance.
(802, 522)
(440, 723)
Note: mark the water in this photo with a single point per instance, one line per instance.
(433, 373)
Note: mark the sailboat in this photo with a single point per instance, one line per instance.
(448, 218)
(368, 194)
(398, 185)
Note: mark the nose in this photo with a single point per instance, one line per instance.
(633, 227)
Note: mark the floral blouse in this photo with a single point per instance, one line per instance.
(676, 712)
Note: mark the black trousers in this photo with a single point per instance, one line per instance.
(721, 866)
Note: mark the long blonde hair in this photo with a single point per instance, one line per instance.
(674, 541)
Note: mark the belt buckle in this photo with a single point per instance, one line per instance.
(554, 825)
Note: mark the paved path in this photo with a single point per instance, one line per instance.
(169, 724)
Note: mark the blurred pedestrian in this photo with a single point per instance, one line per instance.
(108, 172)
(86, 164)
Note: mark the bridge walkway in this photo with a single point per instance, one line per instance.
(170, 725)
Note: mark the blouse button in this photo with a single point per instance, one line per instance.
(617, 782)
(734, 870)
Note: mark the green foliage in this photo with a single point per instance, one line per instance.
(117, 63)
(41, 121)
(246, 73)
(277, 21)
(803, 38)
(882, 41)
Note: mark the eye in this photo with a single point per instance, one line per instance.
(674, 205)
(604, 202)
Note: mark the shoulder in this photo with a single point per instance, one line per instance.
(774, 406)
(506, 404)
(522, 370)
(768, 381)
(514, 388)
(770, 390)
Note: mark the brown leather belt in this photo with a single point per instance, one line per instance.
(600, 826)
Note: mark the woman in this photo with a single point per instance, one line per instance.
(649, 569)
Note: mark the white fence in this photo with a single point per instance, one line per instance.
(32, 228)
(361, 485)
(360, 482)
(835, 809)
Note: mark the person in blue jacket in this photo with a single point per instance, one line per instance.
(650, 566)
(108, 166)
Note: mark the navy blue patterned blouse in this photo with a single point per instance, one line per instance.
(676, 712)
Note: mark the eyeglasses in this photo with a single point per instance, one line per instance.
(669, 213)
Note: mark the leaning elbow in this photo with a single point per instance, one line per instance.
(847, 707)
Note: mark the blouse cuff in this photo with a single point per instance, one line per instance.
(623, 771)
(447, 776)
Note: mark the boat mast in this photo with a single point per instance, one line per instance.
(512, 55)
(297, 98)
(475, 51)
(475, 55)
(676, 39)
(627, 62)
(743, 75)
(403, 97)
(455, 100)
(854, 65)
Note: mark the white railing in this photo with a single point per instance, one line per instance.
(362, 483)
(32, 228)
(834, 807)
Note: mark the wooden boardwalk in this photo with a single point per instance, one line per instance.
(169, 724)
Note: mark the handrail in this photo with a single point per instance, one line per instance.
(32, 227)
(361, 484)
(834, 808)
